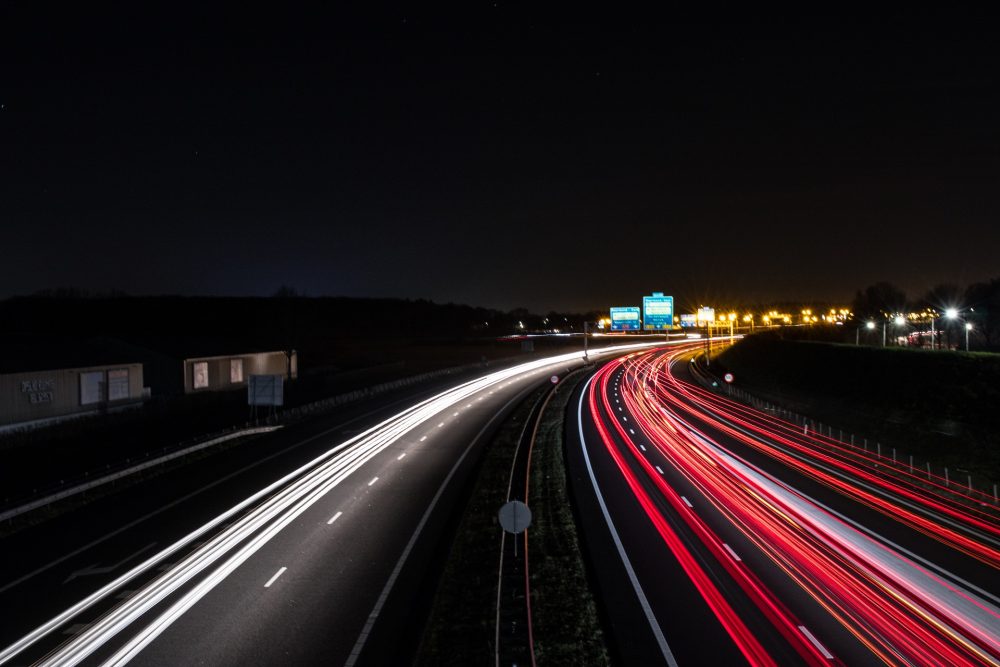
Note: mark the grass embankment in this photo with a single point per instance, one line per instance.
(461, 628)
(567, 628)
(940, 406)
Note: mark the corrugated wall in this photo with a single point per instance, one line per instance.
(44, 394)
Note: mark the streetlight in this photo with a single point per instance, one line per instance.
(952, 314)
(968, 328)
(899, 321)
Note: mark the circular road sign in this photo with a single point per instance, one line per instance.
(514, 517)
(554, 379)
(728, 377)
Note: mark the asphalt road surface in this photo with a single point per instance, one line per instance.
(724, 535)
(319, 544)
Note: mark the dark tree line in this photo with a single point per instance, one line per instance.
(977, 304)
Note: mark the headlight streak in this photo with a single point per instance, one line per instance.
(882, 598)
(285, 500)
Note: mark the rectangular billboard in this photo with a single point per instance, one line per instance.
(657, 311)
(625, 318)
(706, 315)
(689, 320)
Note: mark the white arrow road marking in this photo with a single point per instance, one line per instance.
(87, 571)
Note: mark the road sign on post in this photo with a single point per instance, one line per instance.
(515, 517)
(657, 311)
(266, 390)
(728, 377)
(626, 318)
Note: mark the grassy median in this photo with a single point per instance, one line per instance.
(461, 627)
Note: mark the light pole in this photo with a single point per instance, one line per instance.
(900, 321)
(883, 332)
(870, 325)
(968, 328)
(952, 314)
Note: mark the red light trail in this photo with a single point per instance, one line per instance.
(901, 611)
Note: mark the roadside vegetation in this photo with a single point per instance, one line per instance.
(567, 631)
(939, 406)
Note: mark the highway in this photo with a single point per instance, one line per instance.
(323, 551)
(721, 534)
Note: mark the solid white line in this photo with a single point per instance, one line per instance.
(731, 552)
(659, 470)
(815, 642)
(275, 577)
(334, 518)
(400, 457)
(303, 487)
(373, 616)
(668, 655)
(686, 501)
(374, 479)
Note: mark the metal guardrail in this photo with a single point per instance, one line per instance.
(107, 479)
(284, 415)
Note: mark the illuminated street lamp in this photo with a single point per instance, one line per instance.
(899, 321)
(857, 334)
(952, 314)
(968, 328)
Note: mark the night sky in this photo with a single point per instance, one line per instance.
(494, 156)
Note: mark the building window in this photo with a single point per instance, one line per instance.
(118, 384)
(199, 375)
(235, 371)
(91, 387)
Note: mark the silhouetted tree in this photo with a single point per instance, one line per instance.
(941, 297)
(983, 300)
(878, 300)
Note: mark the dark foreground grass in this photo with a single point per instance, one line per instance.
(567, 631)
(461, 627)
(941, 406)
(567, 628)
